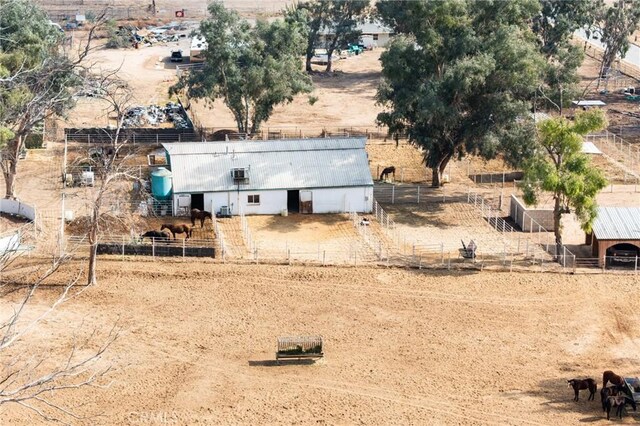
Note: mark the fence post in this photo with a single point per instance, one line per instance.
(449, 260)
(289, 257)
(256, 254)
(442, 253)
(635, 269)
(183, 244)
(393, 193)
(324, 257)
(418, 202)
(153, 248)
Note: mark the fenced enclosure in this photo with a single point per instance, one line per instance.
(620, 151)
(127, 246)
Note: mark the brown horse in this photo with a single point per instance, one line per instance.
(178, 229)
(613, 378)
(199, 214)
(387, 171)
(579, 384)
(607, 392)
(619, 401)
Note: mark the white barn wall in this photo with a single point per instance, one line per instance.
(341, 200)
(325, 200)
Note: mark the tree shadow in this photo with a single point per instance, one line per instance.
(558, 397)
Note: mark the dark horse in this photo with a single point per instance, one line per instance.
(610, 376)
(619, 401)
(607, 392)
(178, 229)
(158, 235)
(388, 171)
(578, 385)
(199, 214)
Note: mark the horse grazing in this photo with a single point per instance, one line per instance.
(199, 214)
(178, 229)
(579, 384)
(619, 401)
(158, 235)
(610, 376)
(388, 171)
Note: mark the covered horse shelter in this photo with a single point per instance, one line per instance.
(323, 175)
(615, 238)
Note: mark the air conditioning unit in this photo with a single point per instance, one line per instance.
(240, 175)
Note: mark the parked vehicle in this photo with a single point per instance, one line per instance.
(176, 56)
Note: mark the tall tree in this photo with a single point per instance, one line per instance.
(459, 80)
(619, 21)
(562, 169)
(554, 26)
(37, 78)
(342, 25)
(312, 15)
(252, 69)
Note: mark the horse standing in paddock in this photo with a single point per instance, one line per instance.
(199, 214)
(388, 171)
(178, 229)
(579, 384)
(607, 392)
(613, 378)
(158, 235)
(619, 401)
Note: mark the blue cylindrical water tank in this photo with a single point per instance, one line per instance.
(161, 184)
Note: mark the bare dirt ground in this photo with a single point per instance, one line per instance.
(402, 347)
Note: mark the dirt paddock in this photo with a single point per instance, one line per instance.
(401, 347)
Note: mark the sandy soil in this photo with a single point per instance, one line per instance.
(402, 347)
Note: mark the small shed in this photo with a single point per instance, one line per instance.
(372, 34)
(616, 235)
(323, 175)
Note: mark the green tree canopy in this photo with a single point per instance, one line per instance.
(252, 69)
(617, 23)
(36, 77)
(554, 26)
(560, 168)
(460, 77)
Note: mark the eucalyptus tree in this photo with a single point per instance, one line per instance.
(252, 69)
(37, 77)
(459, 77)
(559, 167)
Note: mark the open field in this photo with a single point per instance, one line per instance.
(402, 347)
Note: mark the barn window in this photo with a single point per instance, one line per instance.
(375, 37)
(253, 199)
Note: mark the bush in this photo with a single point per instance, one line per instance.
(34, 141)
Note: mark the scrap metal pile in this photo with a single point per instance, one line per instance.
(154, 115)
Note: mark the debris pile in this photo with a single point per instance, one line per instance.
(154, 115)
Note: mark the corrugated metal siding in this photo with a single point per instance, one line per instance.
(617, 223)
(330, 164)
(186, 148)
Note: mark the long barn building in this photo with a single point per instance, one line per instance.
(268, 177)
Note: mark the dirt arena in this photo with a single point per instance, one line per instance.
(197, 345)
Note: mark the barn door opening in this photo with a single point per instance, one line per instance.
(197, 201)
(293, 201)
(306, 204)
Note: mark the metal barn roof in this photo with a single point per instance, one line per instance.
(617, 223)
(280, 164)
